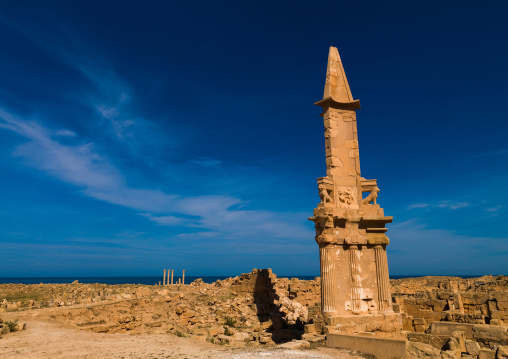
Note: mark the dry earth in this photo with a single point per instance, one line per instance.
(53, 340)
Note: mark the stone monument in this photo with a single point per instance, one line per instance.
(350, 229)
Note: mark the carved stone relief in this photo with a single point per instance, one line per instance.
(346, 196)
(347, 117)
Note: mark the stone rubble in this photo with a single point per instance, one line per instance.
(445, 316)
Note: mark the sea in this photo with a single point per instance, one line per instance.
(150, 280)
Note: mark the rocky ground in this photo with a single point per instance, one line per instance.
(252, 315)
(49, 340)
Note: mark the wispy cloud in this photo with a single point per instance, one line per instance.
(420, 250)
(207, 162)
(495, 209)
(81, 165)
(443, 204)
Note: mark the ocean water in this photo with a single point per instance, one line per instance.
(146, 280)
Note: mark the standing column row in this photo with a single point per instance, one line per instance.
(166, 278)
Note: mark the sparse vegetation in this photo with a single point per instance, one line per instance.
(228, 331)
(12, 324)
(230, 322)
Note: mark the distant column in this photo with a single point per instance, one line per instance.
(172, 272)
(183, 277)
(164, 279)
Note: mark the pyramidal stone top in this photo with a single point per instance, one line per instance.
(336, 86)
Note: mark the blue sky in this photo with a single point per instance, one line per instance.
(141, 136)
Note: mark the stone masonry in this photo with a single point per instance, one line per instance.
(350, 229)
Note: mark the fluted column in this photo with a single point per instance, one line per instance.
(164, 280)
(354, 271)
(329, 284)
(383, 279)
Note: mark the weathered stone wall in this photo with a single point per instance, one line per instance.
(424, 300)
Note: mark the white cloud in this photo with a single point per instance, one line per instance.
(65, 133)
(81, 165)
(207, 162)
(443, 204)
(495, 209)
(419, 250)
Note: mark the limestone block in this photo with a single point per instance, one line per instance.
(295, 344)
(472, 347)
(489, 334)
(419, 350)
(448, 354)
(502, 352)
(437, 341)
(241, 336)
(502, 305)
(313, 337)
(225, 339)
(420, 328)
(460, 337)
(309, 328)
(487, 354)
(100, 329)
(265, 338)
(492, 305)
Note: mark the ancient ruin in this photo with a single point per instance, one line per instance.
(350, 230)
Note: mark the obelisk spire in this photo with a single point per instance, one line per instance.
(336, 85)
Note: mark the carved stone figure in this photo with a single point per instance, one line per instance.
(372, 197)
(346, 196)
(323, 194)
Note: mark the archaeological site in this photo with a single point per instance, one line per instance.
(353, 310)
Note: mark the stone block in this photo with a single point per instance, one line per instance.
(100, 329)
(226, 339)
(296, 344)
(488, 335)
(436, 341)
(241, 336)
(472, 347)
(420, 328)
(447, 328)
(502, 305)
(449, 354)
(419, 350)
(487, 354)
(265, 338)
(382, 348)
(309, 328)
(502, 352)
(419, 321)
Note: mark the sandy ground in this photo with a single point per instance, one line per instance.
(48, 340)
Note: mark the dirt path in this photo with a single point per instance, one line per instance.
(47, 340)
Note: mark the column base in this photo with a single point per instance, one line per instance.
(385, 324)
